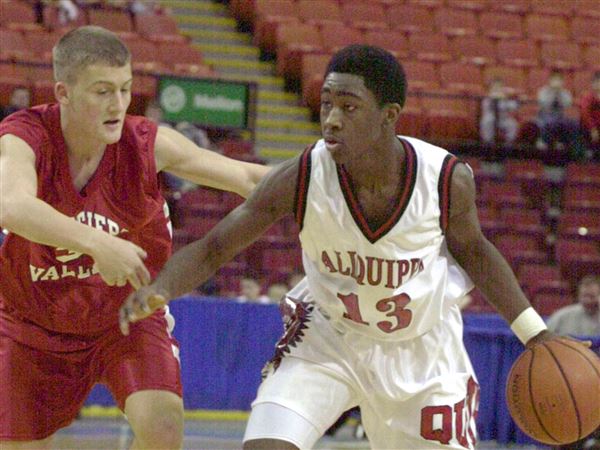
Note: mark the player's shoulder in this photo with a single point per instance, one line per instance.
(421, 146)
(35, 125)
(138, 129)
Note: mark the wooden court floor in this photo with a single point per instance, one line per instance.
(204, 432)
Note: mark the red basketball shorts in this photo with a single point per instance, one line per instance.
(42, 391)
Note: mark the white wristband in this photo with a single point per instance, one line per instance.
(527, 325)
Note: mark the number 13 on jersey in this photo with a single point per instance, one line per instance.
(394, 307)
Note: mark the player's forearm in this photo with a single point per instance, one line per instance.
(493, 276)
(39, 222)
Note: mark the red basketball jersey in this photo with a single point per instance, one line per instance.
(55, 289)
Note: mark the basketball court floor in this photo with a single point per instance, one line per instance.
(206, 431)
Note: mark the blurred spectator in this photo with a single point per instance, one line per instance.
(583, 317)
(590, 116)
(555, 127)
(497, 122)
(294, 279)
(276, 292)
(67, 12)
(20, 98)
(195, 134)
(250, 291)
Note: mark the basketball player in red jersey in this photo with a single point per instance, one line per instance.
(80, 197)
(391, 242)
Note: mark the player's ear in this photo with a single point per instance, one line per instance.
(391, 113)
(61, 93)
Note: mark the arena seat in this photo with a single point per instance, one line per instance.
(581, 198)
(410, 18)
(546, 303)
(587, 8)
(525, 222)
(312, 71)
(513, 6)
(490, 222)
(577, 258)
(434, 48)
(294, 40)
(584, 30)
(365, 16)
(538, 279)
(14, 47)
(520, 249)
(513, 77)
(561, 56)
(591, 57)
(17, 15)
(269, 16)
(473, 5)
(503, 194)
(583, 174)
(476, 50)
(501, 25)
(144, 54)
(413, 119)
(51, 19)
(582, 225)
(462, 78)
(115, 20)
(41, 43)
(170, 53)
(432, 4)
(11, 77)
(552, 7)
(158, 28)
(336, 36)
(449, 118)
(518, 53)
(456, 22)
(393, 41)
(319, 12)
(423, 76)
(546, 28)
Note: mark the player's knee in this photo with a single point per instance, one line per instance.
(268, 444)
(162, 430)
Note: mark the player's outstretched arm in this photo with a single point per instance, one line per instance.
(481, 260)
(179, 156)
(21, 212)
(196, 262)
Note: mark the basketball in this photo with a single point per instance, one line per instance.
(553, 391)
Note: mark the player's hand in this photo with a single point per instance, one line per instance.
(120, 261)
(139, 305)
(547, 335)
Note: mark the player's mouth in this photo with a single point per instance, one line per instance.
(112, 124)
(332, 144)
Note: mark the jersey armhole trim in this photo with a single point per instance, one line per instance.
(448, 166)
(302, 184)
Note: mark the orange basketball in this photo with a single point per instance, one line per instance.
(553, 391)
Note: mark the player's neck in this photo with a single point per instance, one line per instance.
(380, 167)
(79, 143)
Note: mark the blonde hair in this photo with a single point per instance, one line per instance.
(85, 46)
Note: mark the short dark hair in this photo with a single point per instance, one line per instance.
(382, 73)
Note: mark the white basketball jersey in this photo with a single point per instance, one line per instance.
(391, 283)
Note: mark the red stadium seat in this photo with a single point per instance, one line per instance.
(14, 47)
(269, 15)
(319, 12)
(393, 41)
(17, 15)
(433, 48)
(552, 7)
(518, 53)
(366, 16)
(143, 90)
(546, 303)
(505, 194)
(456, 22)
(433, 4)
(410, 18)
(577, 258)
(591, 57)
(546, 28)
(144, 55)
(525, 222)
(115, 20)
(581, 198)
(242, 11)
(490, 222)
(587, 8)
(514, 78)
(583, 174)
(530, 173)
(336, 36)
(474, 5)
(512, 6)
(158, 28)
(413, 120)
(170, 53)
(421, 76)
(41, 43)
(313, 69)
(294, 40)
(462, 78)
(11, 76)
(538, 279)
(474, 50)
(584, 30)
(449, 118)
(501, 25)
(520, 249)
(561, 55)
(583, 225)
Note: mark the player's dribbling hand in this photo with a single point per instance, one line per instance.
(139, 305)
(119, 261)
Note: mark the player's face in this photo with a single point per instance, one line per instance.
(351, 119)
(589, 297)
(98, 101)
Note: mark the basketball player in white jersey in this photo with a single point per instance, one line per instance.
(390, 241)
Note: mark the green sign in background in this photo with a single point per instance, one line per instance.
(209, 102)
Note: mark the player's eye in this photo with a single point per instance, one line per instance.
(348, 107)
